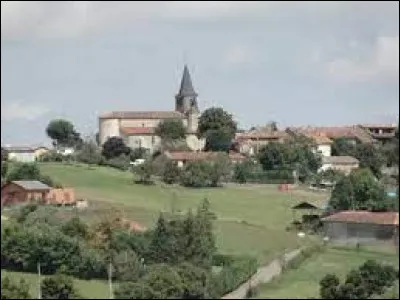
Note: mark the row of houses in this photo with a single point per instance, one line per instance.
(31, 153)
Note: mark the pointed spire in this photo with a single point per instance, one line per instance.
(186, 88)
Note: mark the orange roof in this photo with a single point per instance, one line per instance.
(196, 156)
(133, 226)
(335, 132)
(137, 130)
(366, 217)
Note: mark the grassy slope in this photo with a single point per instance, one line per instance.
(303, 283)
(251, 219)
(89, 289)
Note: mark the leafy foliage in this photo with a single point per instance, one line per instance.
(136, 290)
(219, 139)
(360, 190)
(121, 162)
(196, 174)
(171, 172)
(29, 171)
(58, 287)
(369, 279)
(370, 156)
(218, 127)
(114, 147)
(295, 154)
(171, 129)
(89, 153)
(244, 170)
(13, 290)
(145, 171)
(63, 133)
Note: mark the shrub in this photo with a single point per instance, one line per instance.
(234, 274)
(196, 174)
(13, 290)
(58, 287)
(171, 173)
(121, 162)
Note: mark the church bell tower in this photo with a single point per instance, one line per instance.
(186, 99)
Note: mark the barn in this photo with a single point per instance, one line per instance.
(362, 227)
(21, 191)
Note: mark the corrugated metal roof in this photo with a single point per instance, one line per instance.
(31, 185)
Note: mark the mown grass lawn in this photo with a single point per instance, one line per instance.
(303, 282)
(88, 289)
(251, 218)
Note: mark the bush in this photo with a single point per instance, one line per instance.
(121, 162)
(196, 174)
(52, 156)
(305, 253)
(58, 287)
(13, 290)
(171, 173)
(271, 177)
(234, 274)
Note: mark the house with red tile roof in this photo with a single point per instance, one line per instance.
(137, 128)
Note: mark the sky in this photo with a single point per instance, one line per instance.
(296, 63)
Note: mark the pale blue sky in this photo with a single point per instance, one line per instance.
(327, 63)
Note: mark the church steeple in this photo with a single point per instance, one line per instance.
(186, 89)
(186, 97)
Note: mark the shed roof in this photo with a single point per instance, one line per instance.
(31, 185)
(364, 217)
(306, 205)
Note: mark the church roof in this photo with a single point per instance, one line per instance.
(186, 88)
(142, 115)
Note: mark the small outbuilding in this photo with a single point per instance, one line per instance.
(362, 227)
(21, 191)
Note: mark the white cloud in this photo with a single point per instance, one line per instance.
(382, 63)
(22, 110)
(72, 18)
(238, 54)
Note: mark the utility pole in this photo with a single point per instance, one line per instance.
(39, 282)
(110, 281)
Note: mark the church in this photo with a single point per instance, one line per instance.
(137, 128)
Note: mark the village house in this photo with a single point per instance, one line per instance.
(353, 133)
(344, 164)
(362, 227)
(381, 132)
(25, 191)
(137, 128)
(25, 153)
(250, 142)
(183, 157)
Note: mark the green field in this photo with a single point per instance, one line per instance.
(89, 289)
(303, 282)
(251, 218)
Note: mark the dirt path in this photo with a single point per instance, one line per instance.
(263, 275)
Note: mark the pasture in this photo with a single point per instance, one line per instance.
(251, 218)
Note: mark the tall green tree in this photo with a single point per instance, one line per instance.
(163, 246)
(165, 280)
(360, 191)
(171, 130)
(218, 128)
(63, 133)
(114, 147)
(220, 169)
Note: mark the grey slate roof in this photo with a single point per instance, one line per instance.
(31, 185)
(186, 89)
